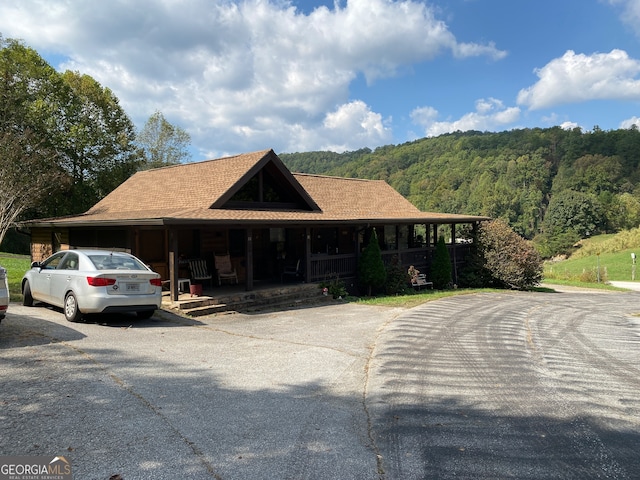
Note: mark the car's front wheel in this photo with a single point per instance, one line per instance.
(27, 299)
(71, 310)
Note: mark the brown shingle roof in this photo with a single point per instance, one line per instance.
(198, 185)
(186, 193)
(356, 198)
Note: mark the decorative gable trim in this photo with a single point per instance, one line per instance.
(272, 167)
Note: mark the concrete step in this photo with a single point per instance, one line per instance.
(278, 297)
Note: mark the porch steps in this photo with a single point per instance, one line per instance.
(275, 297)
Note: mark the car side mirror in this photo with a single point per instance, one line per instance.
(35, 264)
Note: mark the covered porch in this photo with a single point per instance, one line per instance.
(266, 254)
(294, 254)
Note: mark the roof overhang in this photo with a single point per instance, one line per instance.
(168, 221)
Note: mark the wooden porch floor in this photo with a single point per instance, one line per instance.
(227, 298)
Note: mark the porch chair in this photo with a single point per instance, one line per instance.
(291, 271)
(224, 268)
(200, 271)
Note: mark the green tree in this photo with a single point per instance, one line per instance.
(99, 150)
(32, 100)
(87, 137)
(577, 211)
(627, 215)
(371, 270)
(595, 174)
(162, 143)
(441, 266)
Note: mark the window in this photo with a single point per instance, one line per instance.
(52, 262)
(116, 262)
(70, 262)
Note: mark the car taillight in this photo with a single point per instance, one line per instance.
(156, 282)
(100, 281)
(3, 307)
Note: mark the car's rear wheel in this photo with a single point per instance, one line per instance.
(71, 310)
(145, 314)
(27, 299)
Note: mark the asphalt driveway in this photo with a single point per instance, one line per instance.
(512, 385)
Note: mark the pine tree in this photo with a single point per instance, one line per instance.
(371, 270)
(441, 266)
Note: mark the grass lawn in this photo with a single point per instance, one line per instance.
(616, 266)
(414, 299)
(16, 266)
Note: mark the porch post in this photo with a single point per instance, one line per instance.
(173, 264)
(248, 281)
(307, 254)
(453, 249)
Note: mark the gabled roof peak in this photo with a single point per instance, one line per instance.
(200, 185)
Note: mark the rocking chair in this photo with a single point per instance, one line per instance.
(292, 271)
(199, 270)
(225, 269)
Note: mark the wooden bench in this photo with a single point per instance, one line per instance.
(421, 281)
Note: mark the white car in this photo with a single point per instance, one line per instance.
(4, 293)
(93, 281)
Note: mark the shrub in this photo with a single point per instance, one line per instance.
(441, 266)
(474, 274)
(335, 287)
(371, 271)
(397, 281)
(592, 276)
(556, 242)
(509, 258)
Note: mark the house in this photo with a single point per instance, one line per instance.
(264, 217)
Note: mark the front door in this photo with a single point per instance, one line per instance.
(61, 277)
(41, 282)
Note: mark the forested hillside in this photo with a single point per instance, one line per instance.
(552, 184)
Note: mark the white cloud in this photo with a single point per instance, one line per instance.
(490, 114)
(424, 115)
(630, 12)
(629, 122)
(578, 78)
(463, 50)
(241, 75)
(569, 125)
(351, 126)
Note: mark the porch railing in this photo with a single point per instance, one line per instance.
(326, 267)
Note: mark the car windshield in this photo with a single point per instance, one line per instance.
(117, 262)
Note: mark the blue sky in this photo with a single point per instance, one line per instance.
(305, 75)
